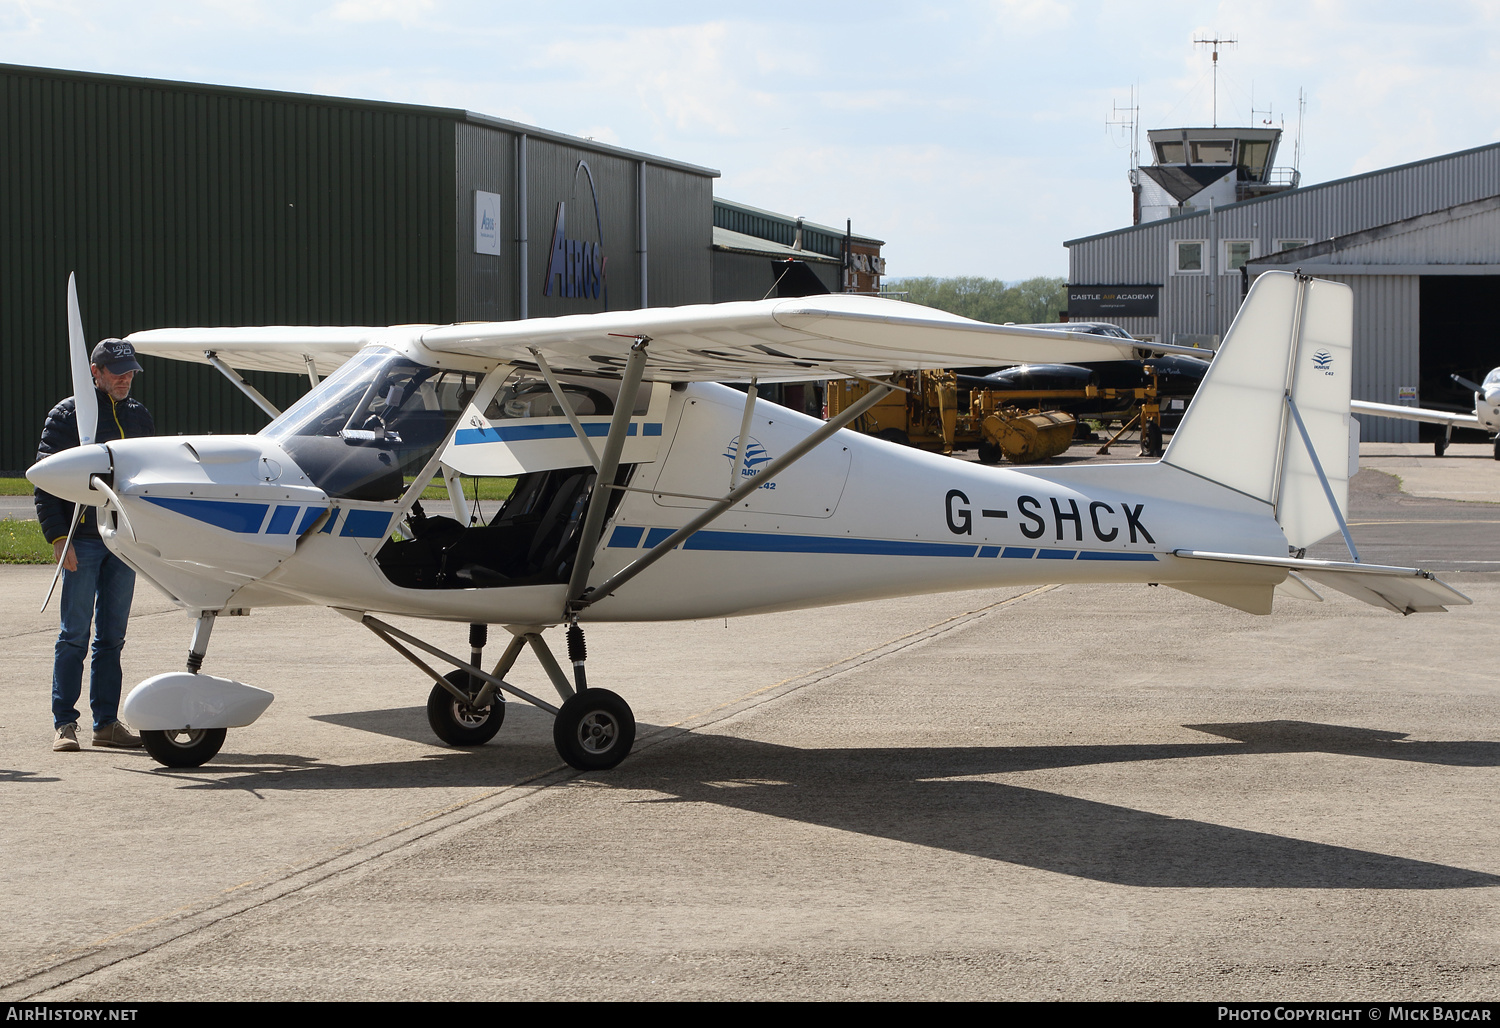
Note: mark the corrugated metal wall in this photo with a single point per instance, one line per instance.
(1387, 351)
(1141, 254)
(180, 205)
(184, 206)
(679, 210)
(1387, 307)
(487, 284)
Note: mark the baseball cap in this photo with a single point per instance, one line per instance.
(115, 356)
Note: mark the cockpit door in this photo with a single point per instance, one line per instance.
(515, 425)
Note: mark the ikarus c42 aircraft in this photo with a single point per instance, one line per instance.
(646, 491)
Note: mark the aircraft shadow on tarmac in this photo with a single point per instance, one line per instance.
(934, 797)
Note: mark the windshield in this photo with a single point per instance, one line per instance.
(378, 418)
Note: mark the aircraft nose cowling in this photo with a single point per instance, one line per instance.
(66, 475)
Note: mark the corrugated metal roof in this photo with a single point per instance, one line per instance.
(1464, 233)
(1287, 194)
(345, 103)
(739, 242)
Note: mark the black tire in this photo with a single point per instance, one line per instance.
(1151, 440)
(594, 730)
(1497, 447)
(989, 453)
(894, 435)
(184, 747)
(459, 724)
(1439, 445)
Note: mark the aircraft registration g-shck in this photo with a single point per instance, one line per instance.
(713, 503)
(1486, 414)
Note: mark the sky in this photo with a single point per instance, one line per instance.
(973, 138)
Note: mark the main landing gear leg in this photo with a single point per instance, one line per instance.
(593, 730)
(189, 747)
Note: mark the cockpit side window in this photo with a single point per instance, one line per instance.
(379, 417)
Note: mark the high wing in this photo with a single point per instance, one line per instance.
(1432, 417)
(285, 348)
(819, 337)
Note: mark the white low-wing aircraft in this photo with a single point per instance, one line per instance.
(1486, 411)
(713, 503)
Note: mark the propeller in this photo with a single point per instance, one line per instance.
(1475, 386)
(85, 407)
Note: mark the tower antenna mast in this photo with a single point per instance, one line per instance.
(1215, 42)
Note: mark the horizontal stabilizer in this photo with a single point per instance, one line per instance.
(1404, 594)
(1404, 590)
(1297, 588)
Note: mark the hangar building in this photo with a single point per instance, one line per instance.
(182, 204)
(1417, 243)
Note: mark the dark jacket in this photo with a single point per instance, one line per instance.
(124, 420)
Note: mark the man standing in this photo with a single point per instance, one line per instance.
(96, 585)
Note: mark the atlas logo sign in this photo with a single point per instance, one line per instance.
(575, 267)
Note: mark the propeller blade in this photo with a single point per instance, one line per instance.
(57, 572)
(1474, 386)
(85, 403)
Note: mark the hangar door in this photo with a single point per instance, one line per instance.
(1460, 334)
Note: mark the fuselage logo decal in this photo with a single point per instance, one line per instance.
(755, 456)
(1323, 361)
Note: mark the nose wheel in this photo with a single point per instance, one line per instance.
(184, 747)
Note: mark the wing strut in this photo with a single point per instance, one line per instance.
(660, 550)
(567, 406)
(239, 383)
(609, 465)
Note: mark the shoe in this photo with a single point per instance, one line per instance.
(116, 734)
(67, 739)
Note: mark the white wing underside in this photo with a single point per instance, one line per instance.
(774, 340)
(1431, 417)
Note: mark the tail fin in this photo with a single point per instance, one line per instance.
(1293, 337)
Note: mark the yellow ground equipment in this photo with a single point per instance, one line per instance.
(935, 414)
(939, 413)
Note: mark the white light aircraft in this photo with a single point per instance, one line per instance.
(1486, 411)
(713, 503)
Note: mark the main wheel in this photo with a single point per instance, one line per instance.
(1497, 447)
(989, 453)
(894, 435)
(1439, 445)
(1151, 440)
(594, 730)
(184, 747)
(457, 723)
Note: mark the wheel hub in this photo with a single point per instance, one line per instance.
(597, 732)
(470, 717)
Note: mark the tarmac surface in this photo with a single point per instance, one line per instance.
(1102, 792)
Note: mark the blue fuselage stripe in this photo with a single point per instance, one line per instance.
(629, 537)
(521, 432)
(225, 514)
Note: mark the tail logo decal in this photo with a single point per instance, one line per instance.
(1323, 361)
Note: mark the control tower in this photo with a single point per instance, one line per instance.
(1192, 166)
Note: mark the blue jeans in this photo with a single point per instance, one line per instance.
(99, 591)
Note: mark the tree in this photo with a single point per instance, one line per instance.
(1036, 300)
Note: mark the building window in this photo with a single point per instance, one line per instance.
(1236, 253)
(1290, 244)
(1187, 257)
